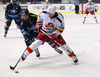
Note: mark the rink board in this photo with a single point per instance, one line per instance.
(62, 8)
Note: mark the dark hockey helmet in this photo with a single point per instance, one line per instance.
(24, 12)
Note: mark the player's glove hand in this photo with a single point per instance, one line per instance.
(86, 10)
(95, 10)
(38, 26)
(6, 16)
(54, 36)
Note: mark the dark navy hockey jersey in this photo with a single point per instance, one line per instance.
(28, 27)
(13, 9)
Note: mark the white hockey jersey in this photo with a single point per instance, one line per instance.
(45, 6)
(54, 25)
(91, 7)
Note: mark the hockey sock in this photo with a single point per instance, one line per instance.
(84, 20)
(32, 47)
(67, 49)
(27, 52)
(95, 18)
(70, 55)
(73, 57)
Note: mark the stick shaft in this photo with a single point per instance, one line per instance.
(12, 68)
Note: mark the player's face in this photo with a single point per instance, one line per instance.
(46, 2)
(25, 17)
(14, 3)
(50, 15)
(89, 2)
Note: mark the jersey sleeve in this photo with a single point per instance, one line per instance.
(39, 23)
(60, 27)
(86, 6)
(23, 28)
(39, 19)
(19, 9)
(7, 9)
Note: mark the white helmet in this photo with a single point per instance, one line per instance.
(13, 1)
(51, 9)
(89, 0)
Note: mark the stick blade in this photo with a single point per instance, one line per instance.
(12, 68)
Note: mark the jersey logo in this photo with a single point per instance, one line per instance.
(50, 25)
(90, 8)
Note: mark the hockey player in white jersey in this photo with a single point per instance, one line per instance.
(90, 8)
(52, 23)
(46, 5)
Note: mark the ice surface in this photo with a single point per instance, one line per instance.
(84, 39)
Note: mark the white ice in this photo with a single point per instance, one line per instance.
(84, 40)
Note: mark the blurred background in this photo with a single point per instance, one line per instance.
(42, 1)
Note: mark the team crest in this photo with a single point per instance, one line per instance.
(50, 25)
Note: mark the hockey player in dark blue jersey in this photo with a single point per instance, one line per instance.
(12, 12)
(29, 31)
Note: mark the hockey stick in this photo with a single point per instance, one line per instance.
(56, 42)
(13, 67)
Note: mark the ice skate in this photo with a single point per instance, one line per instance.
(96, 21)
(37, 53)
(5, 35)
(83, 21)
(75, 59)
(22, 58)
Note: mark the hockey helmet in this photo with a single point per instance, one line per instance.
(51, 9)
(89, 0)
(24, 12)
(13, 0)
(46, 0)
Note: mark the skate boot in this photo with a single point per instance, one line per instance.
(22, 58)
(6, 30)
(37, 53)
(83, 21)
(96, 21)
(75, 59)
(5, 34)
(58, 50)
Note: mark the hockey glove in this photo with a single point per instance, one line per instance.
(54, 36)
(38, 26)
(95, 10)
(6, 16)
